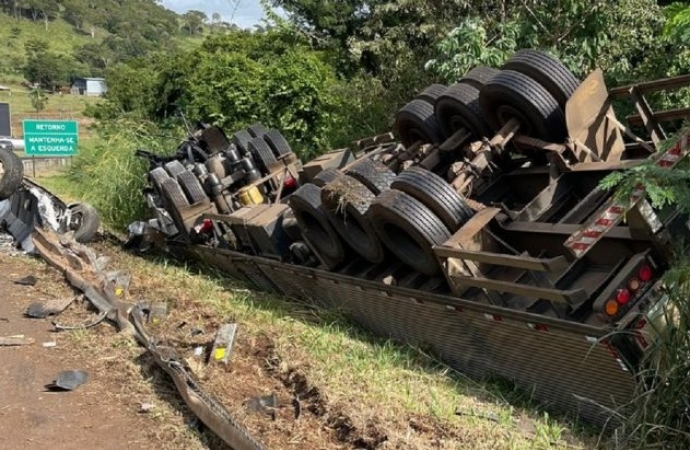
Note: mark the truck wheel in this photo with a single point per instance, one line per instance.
(158, 176)
(241, 140)
(547, 71)
(11, 173)
(457, 108)
(173, 195)
(192, 187)
(431, 93)
(416, 122)
(436, 194)
(262, 154)
(84, 221)
(511, 95)
(313, 220)
(372, 174)
(257, 130)
(277, 143)
(409, 229)
(174, 168)
(291, 226)
(479, 76)
(347, 202)
(327, 176)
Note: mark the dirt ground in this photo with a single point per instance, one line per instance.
(33, 417)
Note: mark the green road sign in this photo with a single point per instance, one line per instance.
(51, 137)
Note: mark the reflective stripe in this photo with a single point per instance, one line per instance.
(582, 240)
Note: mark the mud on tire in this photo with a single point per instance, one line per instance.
(11, 173)
(512, 94)
(327, 176)
(416, 122)
(347, 202)
(436, 194)
(409, 229)
(314, 223)
(372, 174)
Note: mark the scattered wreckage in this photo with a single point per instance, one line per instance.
(40, 223)
(480, 233)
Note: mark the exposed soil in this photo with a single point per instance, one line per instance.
(31, 416)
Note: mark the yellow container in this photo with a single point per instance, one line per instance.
(250, 195)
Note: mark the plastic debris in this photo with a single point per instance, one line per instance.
(222, 346)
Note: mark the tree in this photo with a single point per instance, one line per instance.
(50, 70)
(194, 21)
(39, 99)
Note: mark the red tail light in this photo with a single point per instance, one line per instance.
(289, 182)
(623, 296)
(204, 227)
(645, 274)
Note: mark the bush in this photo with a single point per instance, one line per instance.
(111, 177)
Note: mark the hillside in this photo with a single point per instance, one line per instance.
(51, 43)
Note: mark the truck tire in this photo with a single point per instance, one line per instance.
(347, 202)
(84, 221)
(262, 154)
(174, 168)
(173, 195)
(409, 230)
(291, 226)
(512, 94)
(11, 173)
(277, 143)
(547, 71)
(416, 122)
(458, 108)
(192, 188)
(257, 130)
(372, 174)
(314, 223)
(158, 176)
(431, 93)
(436, 194)
(326, 176)
(241, 140)
(479, 76)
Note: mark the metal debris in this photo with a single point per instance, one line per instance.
(53, 307)
(69, 380)
(27, 281)
(16, 341)
(80, 272)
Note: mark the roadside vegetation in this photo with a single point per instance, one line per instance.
(331, 75)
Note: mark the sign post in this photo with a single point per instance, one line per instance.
(50, 138)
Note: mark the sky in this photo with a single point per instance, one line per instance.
(247, 14)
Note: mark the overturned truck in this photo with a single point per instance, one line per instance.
(477, 230)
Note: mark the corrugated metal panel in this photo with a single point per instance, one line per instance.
(557, 363)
